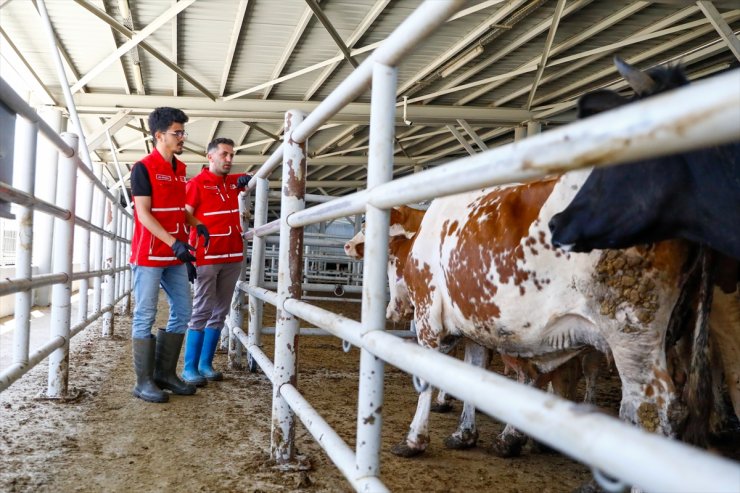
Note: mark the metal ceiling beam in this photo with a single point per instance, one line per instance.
(233, 40)
(155, 53)
(473, 135)
(584, 62)
(175, 53)
(113, 125)
(645, 55)
(546, 51)
(719, 23)
(28, 67)
(520, 41)
(469, 38)
(256, 110)
(338, 58)
(140, 36)
(461, 139)
(356, 35)
(321, 16)
(285, 55)
(128, 20)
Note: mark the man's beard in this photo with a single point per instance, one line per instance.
(180, 151)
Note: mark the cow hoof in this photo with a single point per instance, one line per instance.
(441, 408)
(506, 448)
(403, 450)
(537, 447)
(462, 440)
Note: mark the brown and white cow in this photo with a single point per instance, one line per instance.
(481, 266)
(404, 224)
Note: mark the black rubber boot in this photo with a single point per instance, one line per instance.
(165, 370)
(145, 388)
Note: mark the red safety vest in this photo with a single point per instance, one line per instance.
(215, 202)
(168, 207)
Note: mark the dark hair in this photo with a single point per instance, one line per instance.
(219, 140)
(161, 118)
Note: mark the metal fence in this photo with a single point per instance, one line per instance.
(648, 461)
(66, 209)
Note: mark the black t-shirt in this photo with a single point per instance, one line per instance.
(140, 184)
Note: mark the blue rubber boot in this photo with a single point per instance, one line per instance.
(193, 349)
(205, 365)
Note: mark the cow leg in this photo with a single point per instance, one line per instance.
(443, 403)
(510, 442)
(466, 435)
(590, 365)
(417, 439)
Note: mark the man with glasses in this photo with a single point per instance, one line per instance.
(213, 198)
(160, 255)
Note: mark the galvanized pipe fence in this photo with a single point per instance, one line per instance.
(106, 265)
(699, 115)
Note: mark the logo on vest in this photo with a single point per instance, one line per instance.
(164, 177)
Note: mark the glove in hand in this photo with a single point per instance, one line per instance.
(182, 251)
(243, 181)
(203, 231)
(192, 272)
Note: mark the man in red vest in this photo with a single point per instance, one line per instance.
(213, 199)
(161, 255)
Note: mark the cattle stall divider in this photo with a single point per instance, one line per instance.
(698, 115)
(113, 231)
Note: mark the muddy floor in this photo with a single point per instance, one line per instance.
(218, 440)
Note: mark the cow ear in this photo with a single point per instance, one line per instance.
(641, 82)
(598, 101)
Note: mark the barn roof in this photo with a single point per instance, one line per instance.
(235, 67)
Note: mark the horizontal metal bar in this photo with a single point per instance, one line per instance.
(10, 286)
(577, 430)
(17, 370)
(257, 354)
(19, 197)
(16, 104)
(264, 230)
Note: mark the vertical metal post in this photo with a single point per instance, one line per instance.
(109, 263)
(380, 170)
(61, 294)
(127, 255)
(96, 247)
(236, 314)
(520, 133)
(257, 269)
(533, 128)
(289, 286)
(24, 165)
(46, 188)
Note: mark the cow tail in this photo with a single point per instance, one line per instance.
(699, 393)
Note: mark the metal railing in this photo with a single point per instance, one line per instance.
(106, 265)
(697, 116)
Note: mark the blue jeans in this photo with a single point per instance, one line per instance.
(174, 281)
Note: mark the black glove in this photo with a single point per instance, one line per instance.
(192, 272)
(182, 251)
(243, 181)
(203, 231)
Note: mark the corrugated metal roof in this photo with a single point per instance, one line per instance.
(200, 40)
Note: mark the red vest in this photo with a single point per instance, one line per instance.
(168, 207)
(215, 202)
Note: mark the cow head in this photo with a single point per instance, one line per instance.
(404, 224)
(625, 205)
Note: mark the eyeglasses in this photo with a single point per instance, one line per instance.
(180, 134)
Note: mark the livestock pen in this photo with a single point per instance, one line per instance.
(700, 115)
